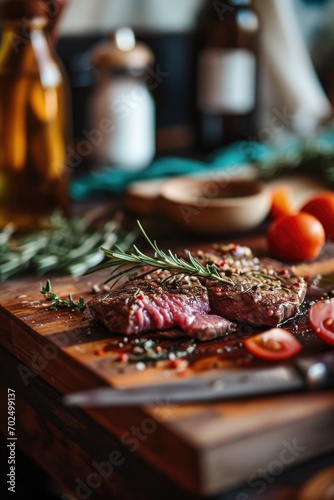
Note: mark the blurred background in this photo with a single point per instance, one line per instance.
(177, 31)
(232, 82)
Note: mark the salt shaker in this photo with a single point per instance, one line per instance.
(122, 110)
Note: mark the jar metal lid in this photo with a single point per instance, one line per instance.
(122, 52)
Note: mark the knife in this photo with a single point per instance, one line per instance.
(303, 374)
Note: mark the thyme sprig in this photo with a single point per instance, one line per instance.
(58, 302)
(124, 263)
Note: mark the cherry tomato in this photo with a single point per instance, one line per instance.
(296, 237)
(274, 345)
(321, 317)
(281, 202)
(322, 207)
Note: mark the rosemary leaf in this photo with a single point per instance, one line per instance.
(120, 262)
(58, 302)
(71, 246)
(311, 156)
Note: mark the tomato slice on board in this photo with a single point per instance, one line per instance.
(274, 344)
(321, 317)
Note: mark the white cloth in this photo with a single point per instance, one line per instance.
(84, 16)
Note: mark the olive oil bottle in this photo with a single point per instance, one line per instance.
(33, 118)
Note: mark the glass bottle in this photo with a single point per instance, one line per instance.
(227, 73)
(33, 118)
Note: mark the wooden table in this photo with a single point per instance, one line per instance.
(185, 451)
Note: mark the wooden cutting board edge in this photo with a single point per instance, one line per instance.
(201, 474)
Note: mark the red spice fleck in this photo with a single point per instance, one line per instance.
(284, 272)
(174, 363)
(123, 357)
(180, 365)
(99, 352)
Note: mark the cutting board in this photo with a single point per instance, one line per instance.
(204, 448)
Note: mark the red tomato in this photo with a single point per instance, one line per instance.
(322, 320)
(281, 202)
(322, 207)
(274, 345)
(296, 237)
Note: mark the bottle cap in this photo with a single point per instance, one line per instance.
(122, 51)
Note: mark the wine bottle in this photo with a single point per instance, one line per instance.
(227, 73)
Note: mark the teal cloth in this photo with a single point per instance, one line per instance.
(116, 180)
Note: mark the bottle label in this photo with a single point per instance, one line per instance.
(226, 81)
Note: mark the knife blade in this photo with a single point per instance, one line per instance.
(302, 375)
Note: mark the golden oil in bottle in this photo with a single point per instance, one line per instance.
(33, 119)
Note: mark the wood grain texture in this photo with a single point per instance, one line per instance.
(202, 448)
(69, 444)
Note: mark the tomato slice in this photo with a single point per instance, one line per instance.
(321, 317)
(274, 344)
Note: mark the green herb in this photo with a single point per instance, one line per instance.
(125, 263)
(58, 302)
(313, 156)
(67, 245)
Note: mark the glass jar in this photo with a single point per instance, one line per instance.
(34, 127)
(122, 110)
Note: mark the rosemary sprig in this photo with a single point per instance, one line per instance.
(70, 246)
(312, 156)
(124, 263)
(58, 302)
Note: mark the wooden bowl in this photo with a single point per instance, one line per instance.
(215, 206)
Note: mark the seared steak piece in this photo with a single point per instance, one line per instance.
(260, 291)
(206, 326)
(256, 291)
(157, 303)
